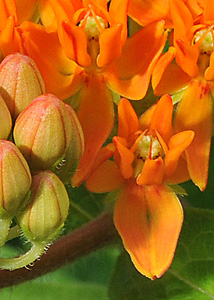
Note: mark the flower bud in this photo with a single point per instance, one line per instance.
(66, 168)
(47, 209)
(20, 82)
(15, 179)
(6, 123)
(43, 131)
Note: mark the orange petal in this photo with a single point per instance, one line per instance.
(187, 57)
(145, 12)
(118, 13)
(10, 40)
(149, 221)
(130, 75)
(25, 9)
(126, 158)
(96, 117)
(152, 173)
(145, 118)
(110, 45)
(167, 76)
(180, 175)
(74, 42)
(195, 112)
(177, 144)
(162, 122)
(208, 13)
(127, 119)
(106, 178)
(62, 76)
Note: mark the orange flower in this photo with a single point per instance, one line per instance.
(188, 67)
(147, 156)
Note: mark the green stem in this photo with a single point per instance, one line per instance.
(14, 232)
(4, 230)
(23, 260)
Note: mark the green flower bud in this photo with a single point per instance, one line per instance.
(66, 168)
(47, 209)
(43, 131)
(15, 179)
(20, 82)
(6, 123)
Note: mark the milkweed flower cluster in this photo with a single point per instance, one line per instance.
(89, 56)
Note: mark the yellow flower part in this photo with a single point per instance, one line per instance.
(147, 156)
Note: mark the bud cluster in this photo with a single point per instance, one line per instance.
(41, 142)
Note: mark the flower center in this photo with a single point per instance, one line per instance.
(205, 38)
(148, 148)
(93, 25)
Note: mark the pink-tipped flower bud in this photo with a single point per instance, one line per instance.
(15, 179)
(47, 209)
(20, 82)
(68, 165)
(6, 120)
(43, 131)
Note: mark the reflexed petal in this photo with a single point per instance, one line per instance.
(105, 179)
(62, 76)
(195, 112)
(152, 173)
(162, 122)
(177, 144)
(96, 117)
(110, 45)
(180, 175)
(127, 119)
(149, 220)
(145, 12)
(130, 75)
(168, 77)
(126, 158)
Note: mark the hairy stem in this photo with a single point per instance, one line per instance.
(90, 237)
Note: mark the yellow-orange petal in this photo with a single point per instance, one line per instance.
(96, 117)
(127, 119)
(177, 145)
(106, 178)
(126, 158)
(130, 75)
(149, 220)
(208, 13)
(152, 173)
(162, 122)
(110, 45)
(195, 112)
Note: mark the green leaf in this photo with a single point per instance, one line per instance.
(191, 275)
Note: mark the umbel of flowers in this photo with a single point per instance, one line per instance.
(39, 130)
(86, 56)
